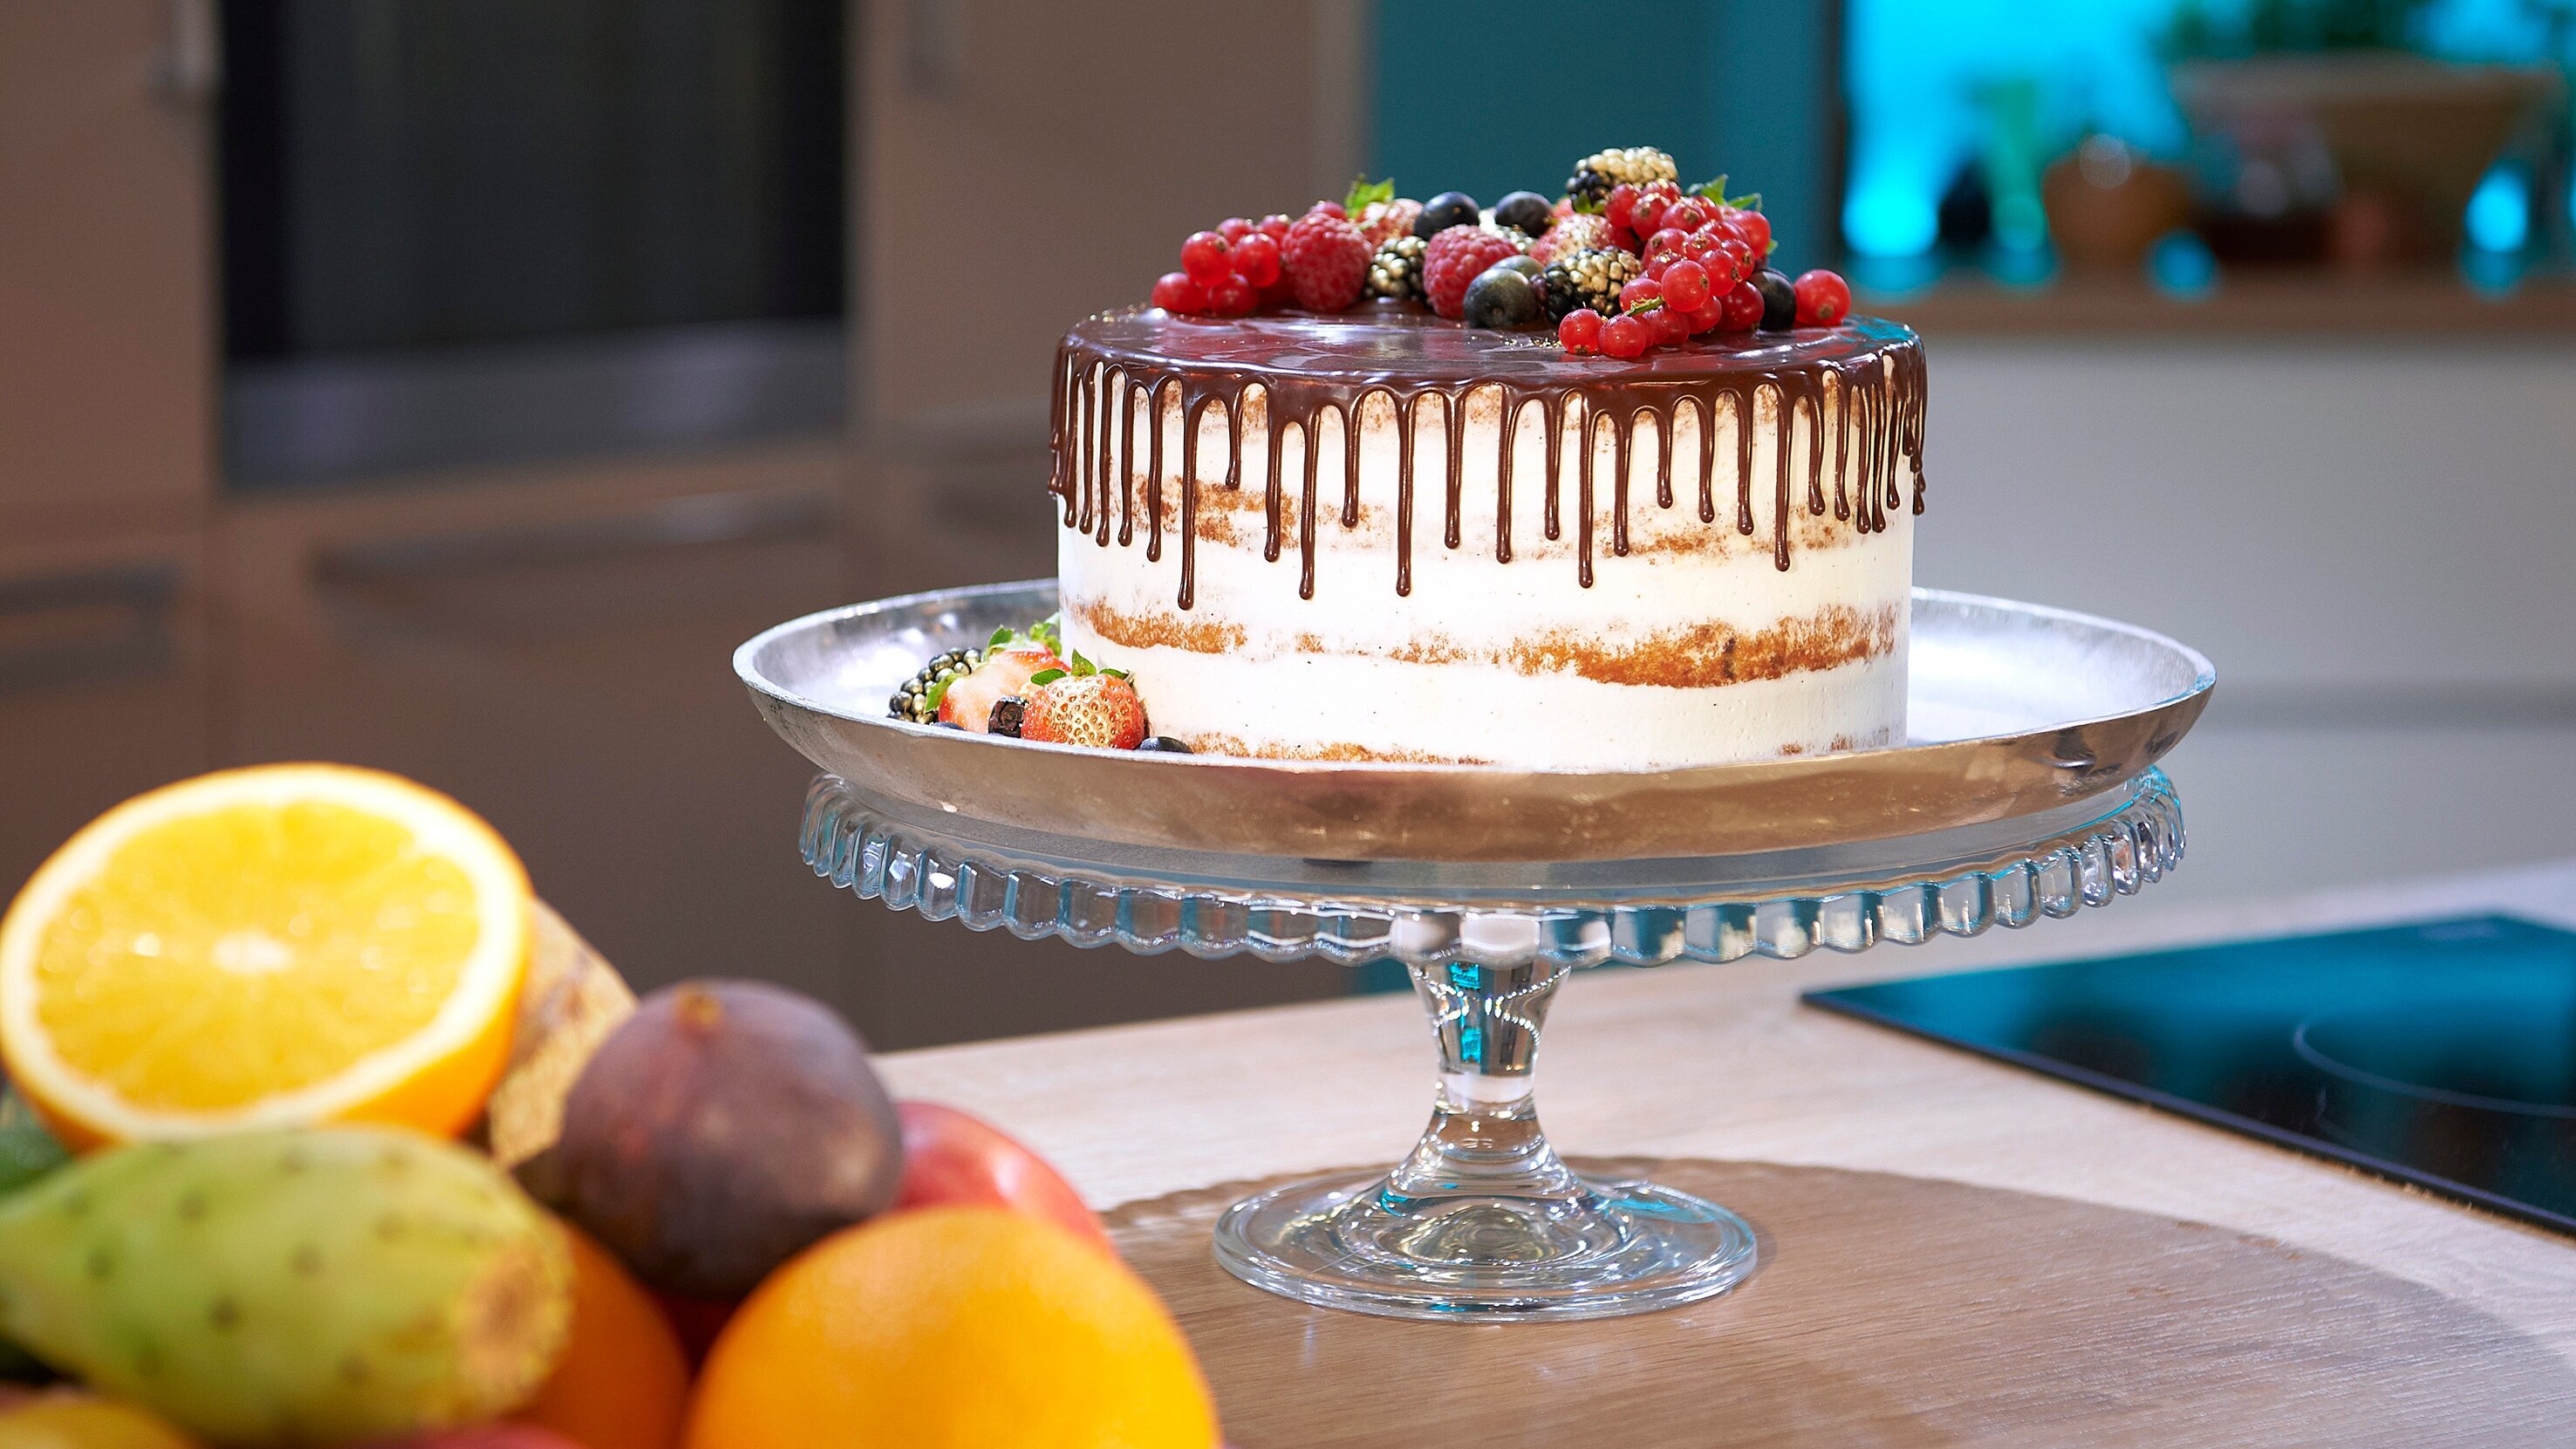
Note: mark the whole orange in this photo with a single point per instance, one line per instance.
(952, 1328)
(622, 1382)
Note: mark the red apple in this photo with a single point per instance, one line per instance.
(952, 1157)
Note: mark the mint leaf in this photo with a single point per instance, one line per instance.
(1117, 673)
(1082, 666)
(1749, 201)
(1711, 190)
(1363, 191)
(1001, 636)
(1045, 677)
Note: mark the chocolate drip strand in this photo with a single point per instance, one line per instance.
(1865, 378)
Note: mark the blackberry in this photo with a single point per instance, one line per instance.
(1595, 174)
(915, 701)
(1590, 278)
(1395, 271)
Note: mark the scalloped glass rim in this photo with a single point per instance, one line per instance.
(1781, 905)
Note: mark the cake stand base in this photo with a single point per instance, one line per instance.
(1484, 1220)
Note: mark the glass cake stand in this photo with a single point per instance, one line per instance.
(1483, 1221)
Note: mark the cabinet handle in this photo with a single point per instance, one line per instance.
(145, 593)
(680, 523)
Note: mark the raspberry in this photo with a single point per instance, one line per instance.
(1453, 259)
(1327, 260)
(1177, 294)
(1580, 331)
(1330, 208)
(1256, 260)
(1625, 337)
(1382, 221)
(1204, 257)
(1824, 298)
(1572, 234)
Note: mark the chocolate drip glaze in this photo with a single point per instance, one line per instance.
(1867, 374)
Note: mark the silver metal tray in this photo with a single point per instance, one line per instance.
(2016, 710)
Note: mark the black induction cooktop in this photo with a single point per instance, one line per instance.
(2442, 1054)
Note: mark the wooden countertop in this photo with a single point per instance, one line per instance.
(1721, 1064)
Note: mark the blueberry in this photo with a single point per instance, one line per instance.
(1448, 209)
(1526, 266)
(1008, 712)
(1164, 745)
(1525, 211)
(1502, 296)
(1779, 300)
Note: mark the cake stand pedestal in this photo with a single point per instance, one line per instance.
(1482, 1220)
(2027, 790)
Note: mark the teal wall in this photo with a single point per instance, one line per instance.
(1506, 95)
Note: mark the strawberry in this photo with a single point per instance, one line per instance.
(969, 702)
(1099, 710)
(1573, 232)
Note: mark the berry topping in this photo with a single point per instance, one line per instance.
(1275, 225)
(1174, 292)
(1454, 258)
(1824, 298)
(1100, 710)
(1164, 745)
(1688, 214)
(1625, 337)
(1653, 200)
(1571, 234)
(1597, 174)
(1256, 260)
(1741, 264)
(1742, 306)
(1330, 208)
(918, 699)
(1685, 284)
(1008, 713)
(1525, 211)
(1753, 226)
(1232, 296)
(1590, 278)
(1005, 671)
(1670, 325)
(1384, 221)
(1579, 330)
(1710, 315)
(1448, 209)
(1503, 295)
(1638, 293)
(1234, 229)
(1395, 271)
(1205, 257)
(1621, 207)
(1327, 261)
(1779, 301)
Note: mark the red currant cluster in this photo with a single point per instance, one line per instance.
(1703, 273)
(1232, 271)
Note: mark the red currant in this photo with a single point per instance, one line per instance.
(1256, 260)
(1625, 337)
(1755, 229)
(1666, 242)
(1688, 214)
(1824, 299)
(1743, 309)
(1709, 316)
(1685, 284)
(1641, 290)
(1234, 228)
(1621, 206)
(1670, 326)
(1648, 213)
(1275, 226)
(1204, 255)
(1177, 294)
(1580, 331)
(1740, 261)
(1702, 248)
(1231, 296)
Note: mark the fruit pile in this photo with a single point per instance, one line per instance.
(1624, 261)
(1025, 685)
(322, 1131)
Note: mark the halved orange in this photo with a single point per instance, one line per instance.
(265, 947)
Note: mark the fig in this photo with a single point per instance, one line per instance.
(717, 1132)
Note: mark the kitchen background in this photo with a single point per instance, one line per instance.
(448, 385)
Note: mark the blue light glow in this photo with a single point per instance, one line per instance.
(2180, 264)
(1889, 217)
(2500, 212)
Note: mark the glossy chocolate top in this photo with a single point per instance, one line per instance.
(1392, 343)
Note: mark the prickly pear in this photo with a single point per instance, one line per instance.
(721, 1129)
(68, 1419)
(289, 1288)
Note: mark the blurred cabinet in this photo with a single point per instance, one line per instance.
(554, 649)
